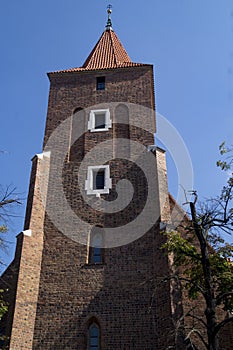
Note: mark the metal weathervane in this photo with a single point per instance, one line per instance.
(109, 22)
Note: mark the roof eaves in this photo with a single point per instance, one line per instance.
(81, 69)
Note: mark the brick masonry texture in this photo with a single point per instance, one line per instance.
(120, 293)
(58, 292)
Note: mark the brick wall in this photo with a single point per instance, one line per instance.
(27, 264)
(58, 292)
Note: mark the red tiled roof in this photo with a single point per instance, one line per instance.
(108, 53)
(81, 69)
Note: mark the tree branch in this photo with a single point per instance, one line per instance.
(9, 201)
(222, 324)
(177, 277)
(222, 296)
(196, 331)
(197, 318)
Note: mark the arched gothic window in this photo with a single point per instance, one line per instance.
(121, 131)
(94, 337)
(96, 255)
(77, 135)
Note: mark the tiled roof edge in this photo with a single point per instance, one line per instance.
(80, 69)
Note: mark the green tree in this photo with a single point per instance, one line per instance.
(203, 260)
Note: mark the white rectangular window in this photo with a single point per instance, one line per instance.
(98, 180)
(99, 120)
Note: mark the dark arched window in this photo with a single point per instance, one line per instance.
(121, 131)
(94, 337)
(96, 253)
(77, 135)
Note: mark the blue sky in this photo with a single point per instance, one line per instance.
(190, 44)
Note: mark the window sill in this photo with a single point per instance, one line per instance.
(94, 265)
(97, 130)
(98, 193)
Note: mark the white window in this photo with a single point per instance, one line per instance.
(98, 180)
(99, 120)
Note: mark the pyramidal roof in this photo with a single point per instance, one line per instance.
(108, 53)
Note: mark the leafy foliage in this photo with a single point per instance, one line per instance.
(226, 163)
(188, 256)
(3, 305)
(203, 259)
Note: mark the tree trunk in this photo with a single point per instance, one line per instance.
(210, 311)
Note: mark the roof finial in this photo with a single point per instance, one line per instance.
(109, 22)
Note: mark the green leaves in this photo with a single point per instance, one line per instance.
(222, 148)
(202, 259)
(3, 229)
(188, 258)
(184, 251)
(227, 162)
(3, 305)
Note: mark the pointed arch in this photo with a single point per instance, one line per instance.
(96, 244)
(76, 142)
(94, 334)
(121, 131)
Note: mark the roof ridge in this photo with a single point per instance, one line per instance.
(107, 53)
(92, 51)
(115, 59)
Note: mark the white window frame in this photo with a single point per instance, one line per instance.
(92, 116)
(90, 178)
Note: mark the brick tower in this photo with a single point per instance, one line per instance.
(88, 263)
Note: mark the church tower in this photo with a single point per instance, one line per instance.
(89, 262)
